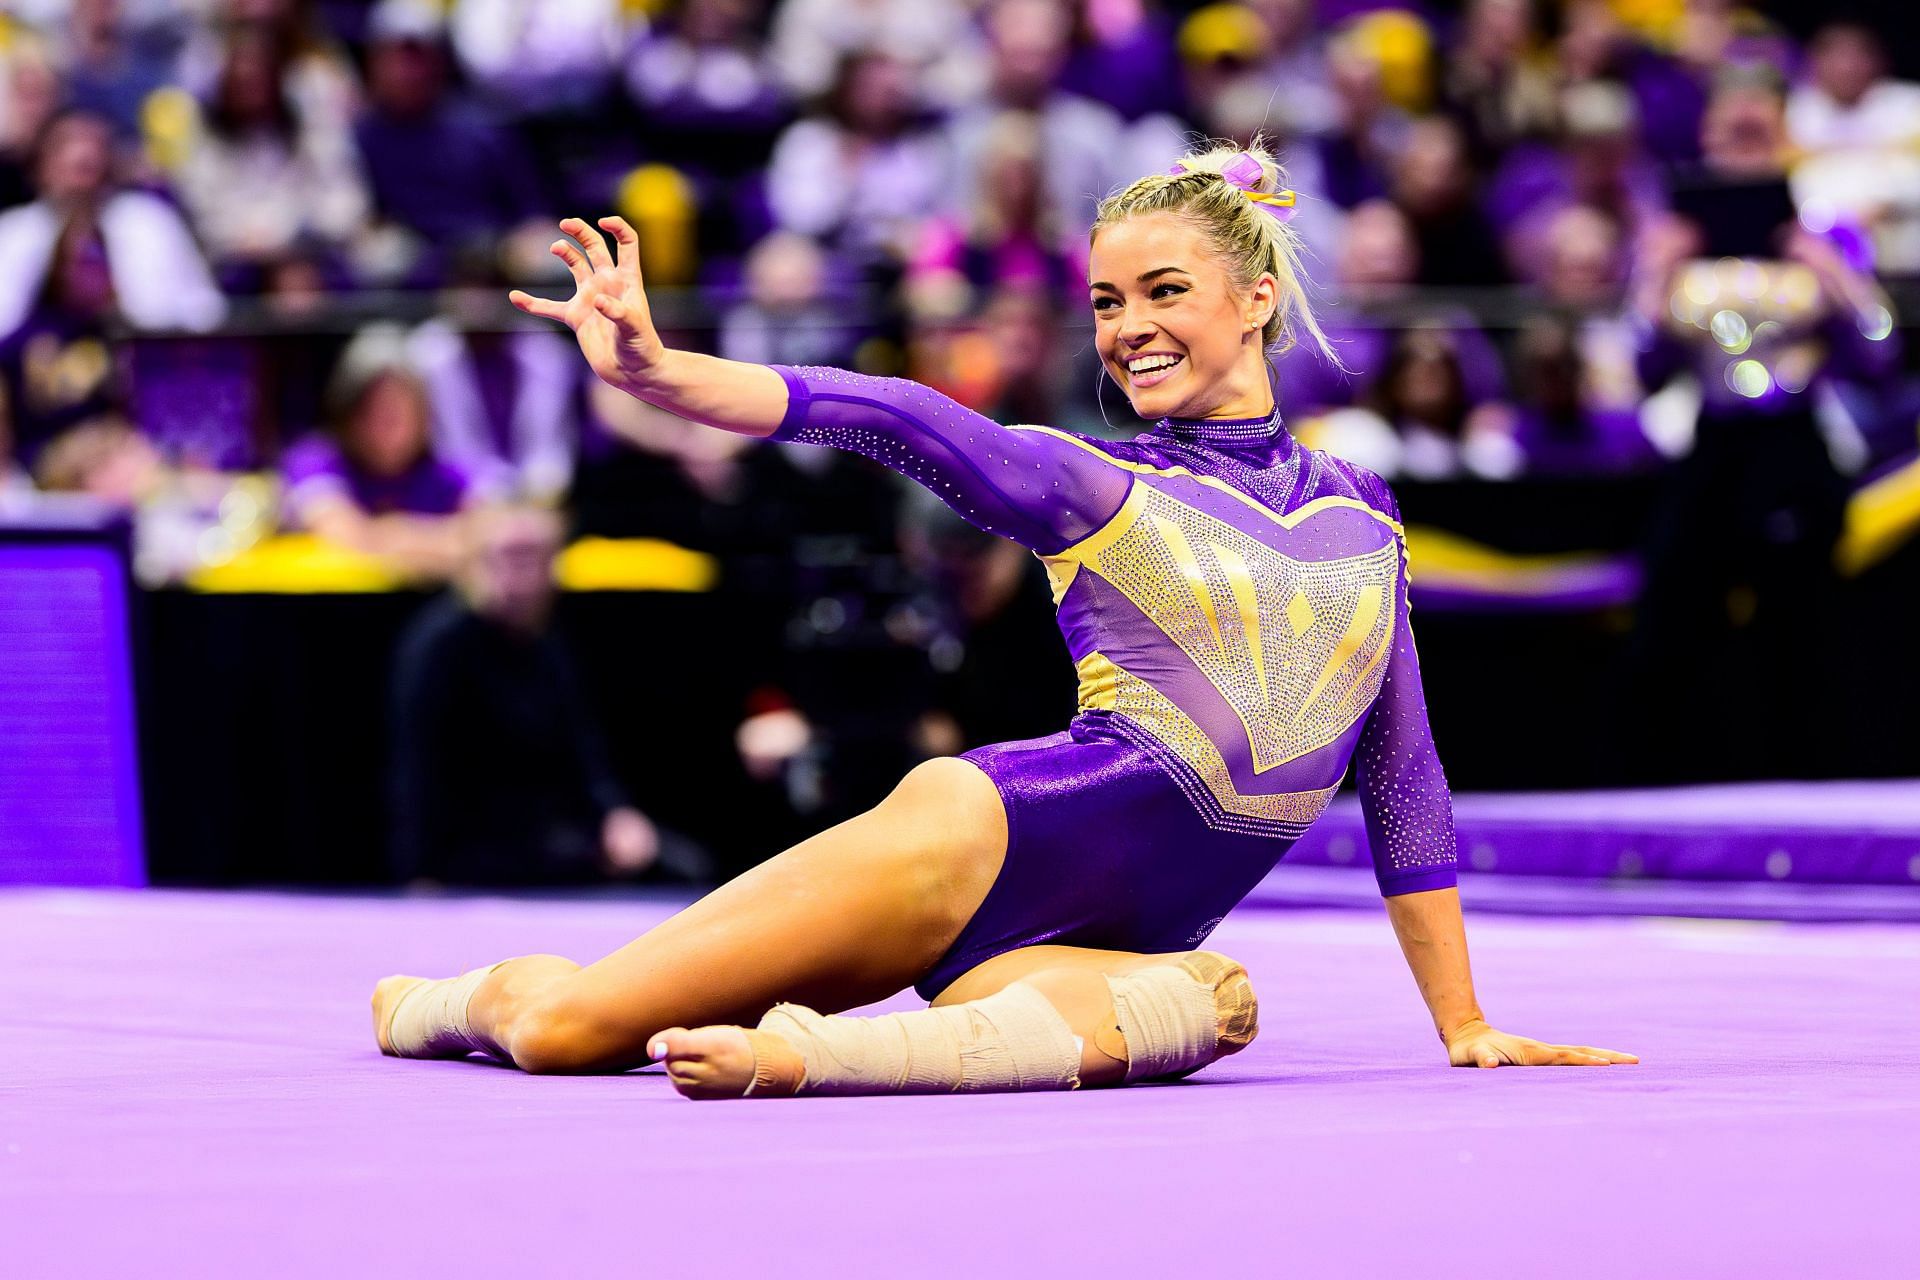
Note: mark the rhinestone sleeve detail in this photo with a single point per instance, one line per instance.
(1403, 788)
(1031, 486)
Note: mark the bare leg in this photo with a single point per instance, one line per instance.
(721, 1061)
(843, 919)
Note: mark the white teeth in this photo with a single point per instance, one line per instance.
(1153, 364)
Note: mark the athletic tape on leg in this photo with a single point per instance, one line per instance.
(1014, 1040)
(1180, 1016)
(430, 1020)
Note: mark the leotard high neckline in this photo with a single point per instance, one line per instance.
(1224, 430)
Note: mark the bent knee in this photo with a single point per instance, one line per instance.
(945, 783)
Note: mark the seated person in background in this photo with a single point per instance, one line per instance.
(1375, 268)
(445, 176)
(374, 484)
(1420, 421)
(1434, 185)
(57, 367)
(156, 275)
(500, 776)
(258, 173)
(789, 315)
(1561, 425)
(104, 458)
(1010, 234)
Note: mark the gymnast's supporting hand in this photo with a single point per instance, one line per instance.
(1433, 937)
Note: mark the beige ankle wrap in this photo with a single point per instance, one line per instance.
(1180, 1016)
(1172, 1019)
(1013, 1040)
(430, 1019)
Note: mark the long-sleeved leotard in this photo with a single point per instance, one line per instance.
(1237, 609)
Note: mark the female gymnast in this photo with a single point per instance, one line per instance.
(1237, 609)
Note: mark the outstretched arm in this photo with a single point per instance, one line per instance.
(1035, 486)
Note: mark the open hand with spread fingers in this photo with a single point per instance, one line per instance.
(1478, 1045)
(608, 310)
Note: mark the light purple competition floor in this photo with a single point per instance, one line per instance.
(188, 1087)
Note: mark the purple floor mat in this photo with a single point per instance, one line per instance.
(190, 1088)
(1847, 832)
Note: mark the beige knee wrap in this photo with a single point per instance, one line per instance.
(430, 1019)
(1014, 1040)
(1177, 1017)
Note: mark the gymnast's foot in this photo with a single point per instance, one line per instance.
(387, 994)
(723, 1062)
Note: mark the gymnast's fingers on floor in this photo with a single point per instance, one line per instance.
(1572, 1055)
(1611, 1055)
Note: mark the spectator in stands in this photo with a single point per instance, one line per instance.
(154, 276)
(1368, 129)
(788, 315)
(711, 104)
(57, 365)
(1860, 131)
(453, 180)
(540, 57)
(1562, 424)
(1443, 433)
(935, 39)
(374, 485)
(1578, 274)
(1493, 82)
(29, 97)
(316, 72)
(1418, 420)
(1124, 56)
(1028, 368)
(706, 86)
(108, 68)
(861, 177)
(1088, 149)
(1594, 160)
(1433, 183)
(1010, 235)
(505, 403)
(499, 773)
(1375, 267)
(259, 174)
(104, 458)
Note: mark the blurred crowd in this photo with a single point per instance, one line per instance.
(271, 238)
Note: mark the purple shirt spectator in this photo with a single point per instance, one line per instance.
(317, 468)
(1308, 382)
(1125, 58)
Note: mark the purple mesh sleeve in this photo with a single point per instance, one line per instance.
(1403, 789)
(1032, 486)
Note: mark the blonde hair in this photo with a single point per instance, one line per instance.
(1248, 241)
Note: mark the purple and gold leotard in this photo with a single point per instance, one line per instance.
(1236, 606)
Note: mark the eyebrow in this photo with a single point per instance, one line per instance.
(1144, 277)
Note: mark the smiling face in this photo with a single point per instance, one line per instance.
(1170, 325)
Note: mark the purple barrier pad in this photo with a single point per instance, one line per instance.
(191, 1089)
(1851, 832)
(69, 784)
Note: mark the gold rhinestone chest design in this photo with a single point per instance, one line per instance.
(1298, 648)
